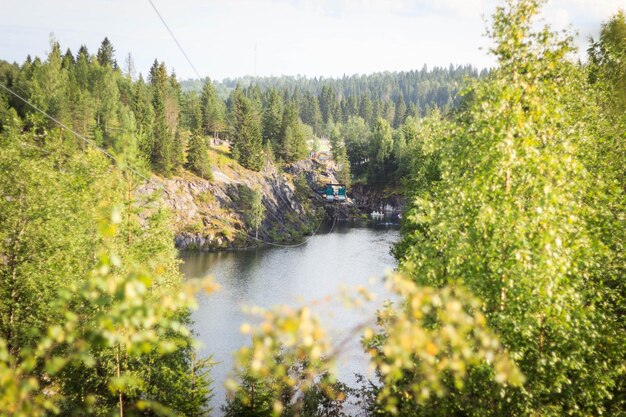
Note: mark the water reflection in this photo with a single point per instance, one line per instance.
(348, 256)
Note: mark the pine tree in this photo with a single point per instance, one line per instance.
(160, 154)
(68, 60)
(256, 211)
(172, 115)
(246, 138)
(311, 113)
(272, 119)
(49, 83)
(343, 165)
(293, 143)
(400, 112)
(328, 102)
(213, 110)
(366, 110)
(105, 93)
(106, 54)
(356, 136)
(197, 155)
(380, 153)
(144, 116)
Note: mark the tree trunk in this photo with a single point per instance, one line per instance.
(119, 373)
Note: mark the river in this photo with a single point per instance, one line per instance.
(348, 255)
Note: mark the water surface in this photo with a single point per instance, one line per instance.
(347, 256)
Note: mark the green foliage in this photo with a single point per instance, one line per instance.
(257, 397)
(161, 155)
(343, 164)
(287, 354)
(311, 114)
(247, 144)
(292, 145)
(608, 57)
(92, 96)
(368, 96)
(432, 340)
(509, 217)
(255, 210)
(356, 136)
(273, 119)
(198, 159)
(94, 315)
(213, 110)
(254, 397)
(380, 153)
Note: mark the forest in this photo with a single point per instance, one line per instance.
(511, 278)
(162, 121)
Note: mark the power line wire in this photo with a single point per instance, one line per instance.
(110, 156)
(114, 159)
(78, 135)
(182, 50)
(175, 40)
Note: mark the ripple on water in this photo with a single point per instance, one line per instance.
(266, 277)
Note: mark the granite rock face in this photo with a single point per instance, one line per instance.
(211, 215)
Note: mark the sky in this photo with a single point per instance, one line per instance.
(231, 38)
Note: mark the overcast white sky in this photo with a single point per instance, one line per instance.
(308, 37)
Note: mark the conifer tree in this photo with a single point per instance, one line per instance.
(197, 155)
(293, 143)
(356, 135)
(160, 154)
(380, 152)
(106, 54)
(213, 110)
(343, 164)
(400, 111)
(246, 137)
(366, 110)
(328, 102)
(144, 115)
(105, 94)
(272, 119)
(49, 83)
(311, 113)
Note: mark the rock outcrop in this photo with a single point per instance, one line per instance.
(383, 199)
(211, 214)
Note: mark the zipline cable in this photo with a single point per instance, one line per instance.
(78, 135)
(182, 50)
(140, 175)
(175, 40)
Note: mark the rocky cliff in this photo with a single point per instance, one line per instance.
(377, 198)
(212, 214)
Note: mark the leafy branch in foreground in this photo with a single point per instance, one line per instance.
(113, 312)
(94, 316)
(430, 339)
(429, 334)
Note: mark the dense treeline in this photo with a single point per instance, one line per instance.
(511, 285)
(167, 128)
(151, 119)
(353, 112)
(512, 263)
(367, 136)
(420, 90)
(94, 312)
